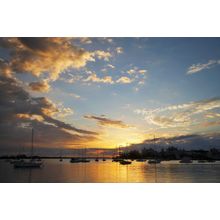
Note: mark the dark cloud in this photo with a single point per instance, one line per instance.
(107, 122)
(42, 86)
(19, 111)
(190, 141)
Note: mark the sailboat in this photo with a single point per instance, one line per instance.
(32, 163)
(103, 158)
(97, 159)
(125, 162)
(61, 158)
(84, 160)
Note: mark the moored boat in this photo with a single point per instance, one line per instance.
(154, 161)
(31, 163)
(125, 162)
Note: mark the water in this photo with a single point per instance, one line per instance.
(112, 172)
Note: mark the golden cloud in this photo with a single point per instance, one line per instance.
(124, 80)
(42, 86)
(108, 122)
(47, 55)
(94, 78)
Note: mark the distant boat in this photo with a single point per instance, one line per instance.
(140, 160)
(79, 160)
(154, 161)
(61, 158)
(32, 163)
(103, 159)
(96, 160)
(202, 161)
(186, 160)
(125, 162)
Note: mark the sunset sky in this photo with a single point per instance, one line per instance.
(106, 92)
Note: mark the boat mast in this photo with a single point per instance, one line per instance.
(32, 142)
(155, 165)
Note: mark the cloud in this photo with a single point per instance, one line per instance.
(45, 55)
(85, 40)
(105, 55)
(42, 86)
(19, 111)
(94, 78)
(107, 122)
(142, 71)
(136, 70)
(124, 80)
(131, 71)
(195, 68)
(5, 69)
(74, 95)
(188, 141)
(182, 115)
(119, 50)
(110, 66)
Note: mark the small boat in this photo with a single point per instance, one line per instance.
(125, 162)
(61, 158)
(154, 161)
(201, 161)
(96, 160)
(79, 160)
(28, 164)
(103, 159)
(31, 163)
(140, 160)
(186, 160)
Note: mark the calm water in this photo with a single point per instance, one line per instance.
(108, 171)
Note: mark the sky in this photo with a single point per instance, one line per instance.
(109, 92)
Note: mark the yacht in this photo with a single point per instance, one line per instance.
(31, 163)
(79, 160)
(125, 162)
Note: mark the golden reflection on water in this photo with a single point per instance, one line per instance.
(112, 172)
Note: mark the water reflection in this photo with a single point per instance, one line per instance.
(108, 171)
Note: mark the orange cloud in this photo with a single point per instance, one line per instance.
(42, 86)
(107, 122)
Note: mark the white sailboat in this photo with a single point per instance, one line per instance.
(31, 163)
